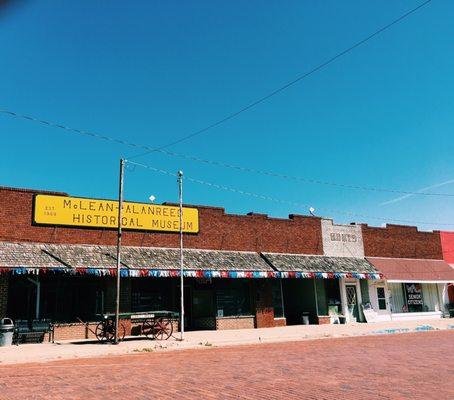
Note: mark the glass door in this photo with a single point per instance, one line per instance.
(352, 302)
(382, 303)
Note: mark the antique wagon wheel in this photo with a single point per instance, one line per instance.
(104, 331)
(148, 328)
(163, 329)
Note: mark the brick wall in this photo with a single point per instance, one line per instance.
(76, 331)
(4, 278)
(401, 241)
(234, 323)
(218, 230)
(280, 322)
(447, 243)
(264, 311)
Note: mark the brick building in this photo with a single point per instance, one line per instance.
(240, 270)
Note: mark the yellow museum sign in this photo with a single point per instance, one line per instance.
(93, 213)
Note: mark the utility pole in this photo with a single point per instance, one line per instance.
(120, 215)
(180, 193)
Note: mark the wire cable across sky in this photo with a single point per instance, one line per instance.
(277, 200)
(288, 84)
(98, 136)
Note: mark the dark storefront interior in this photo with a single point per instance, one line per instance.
(68, 298)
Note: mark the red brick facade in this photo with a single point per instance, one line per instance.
(234, 323)
(401, 241)
(264, 311)
(218, 230)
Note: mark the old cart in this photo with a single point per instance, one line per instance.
(156, 325)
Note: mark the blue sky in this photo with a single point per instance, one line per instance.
(151, 72)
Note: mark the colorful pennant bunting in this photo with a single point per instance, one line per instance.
(158, 273)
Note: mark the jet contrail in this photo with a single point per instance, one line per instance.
(418, 191)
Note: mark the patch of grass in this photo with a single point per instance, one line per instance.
(144, 350)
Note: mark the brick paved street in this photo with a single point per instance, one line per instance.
(406, 366)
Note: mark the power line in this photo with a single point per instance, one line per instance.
(236, 167)
(277, 200)
(217, 163)
(291, 83)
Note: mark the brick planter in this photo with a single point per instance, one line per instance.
(280, 322)
(323, 319)
(246, 322)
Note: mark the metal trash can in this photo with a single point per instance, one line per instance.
(305, 318)
(6, 332)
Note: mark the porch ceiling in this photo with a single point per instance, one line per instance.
(308, 263)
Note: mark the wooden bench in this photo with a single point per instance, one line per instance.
(26, 331)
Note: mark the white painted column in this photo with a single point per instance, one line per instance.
(359, 300)
(343, 294)
(388, 300)
(442, 289)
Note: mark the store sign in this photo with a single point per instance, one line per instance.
(414, 294)
(342, 240)
(93, 213)
(343, 237)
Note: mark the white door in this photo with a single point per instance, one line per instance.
(381, 305)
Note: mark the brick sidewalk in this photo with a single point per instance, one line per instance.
(198, 339)
(414, 365)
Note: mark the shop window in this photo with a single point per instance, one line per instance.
(381, 298)
(233, 301)
(431, 300)
(413, 296)
(146, 301)
(151, 295)
(99, 305)
(277, 299)
(397, 298)
(203, 303)
(333, 297)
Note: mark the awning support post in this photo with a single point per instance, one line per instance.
(316, 300)
(120, 215)
(180, 201)
(282, 298)
(37, 283)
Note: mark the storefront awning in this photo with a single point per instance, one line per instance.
(413, 270)
(26, 258)
(34, 258)
(322, 266)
